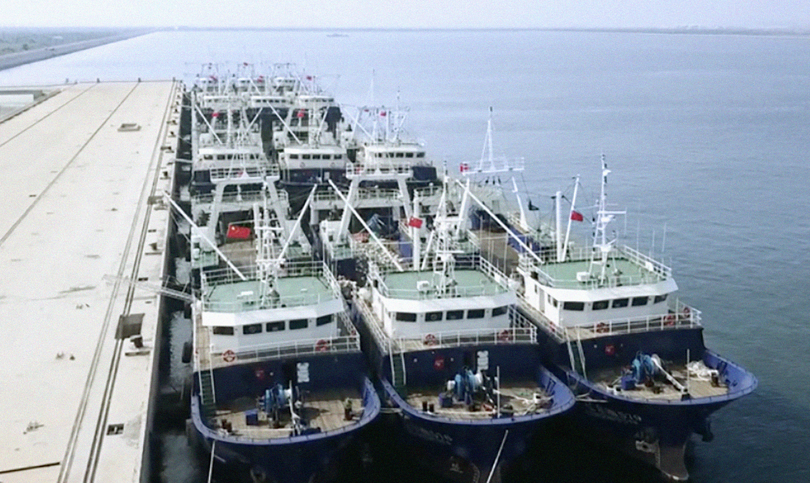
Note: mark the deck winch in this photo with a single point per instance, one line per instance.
(276, 398)
(465, 384)
(645, 369)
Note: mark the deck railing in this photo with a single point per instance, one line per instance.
(521, 332)
(298, 348)
(362, 194)
(250, 196)
(651, 271)
(291, 349)
(492, 287)
(679, 316)
(254, 300)
(386, 168)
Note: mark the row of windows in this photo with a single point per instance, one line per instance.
(317, 156)
(278, 326)
(400, 155)
(223, 157)
(451, 315)
(615, 303)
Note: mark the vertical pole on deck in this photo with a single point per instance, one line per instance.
(558, 229)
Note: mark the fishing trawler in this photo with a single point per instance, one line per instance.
(467, 381)
(280, 385)
(280, 389)
(612, 326)
(230, 168)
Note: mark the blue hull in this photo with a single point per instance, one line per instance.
(653, 431)
(294, 459)
(465, 448)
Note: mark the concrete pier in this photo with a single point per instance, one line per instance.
(80, 179)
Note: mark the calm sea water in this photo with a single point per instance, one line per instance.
(707, 137)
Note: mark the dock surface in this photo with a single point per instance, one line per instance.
(79, 204)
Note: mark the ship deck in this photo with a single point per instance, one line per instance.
(521, 395)
(468, 283)
(83, 174)
(630, 272)
(237, 295)
(322, 409)
(662, 390)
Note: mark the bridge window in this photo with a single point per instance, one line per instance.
(299, 324)
(274, 326)
(408, 155)
(619, 303)
(475, 314)
(420, 155)
(455, 314)
(305, 156)
(659, 298)
(252, 329)
(293, 156)
(326, 319)
(499, 310)
(338, 156)
(434, 316)
(316, 156)
(638, 301)
(600, 305)
(223, 330)
(578, 306)
(406, 317)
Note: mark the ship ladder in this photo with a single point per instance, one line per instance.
(577, 358)
(398, 374)
(208, 400)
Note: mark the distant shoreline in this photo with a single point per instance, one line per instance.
(16, 59)
(645, 30)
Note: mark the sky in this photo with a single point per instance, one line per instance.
(409, 13)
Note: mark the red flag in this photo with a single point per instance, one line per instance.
(576, 216)
(415, 222)
(236, 232)
(382, 113)
(300, 113)
(214, 114)
(463, 167)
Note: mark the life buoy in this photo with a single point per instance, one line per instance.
(669, 320)
(601, 327)
(430, 339)
(228, 356)
(303, 165)
(505, 336)
(322, 345)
